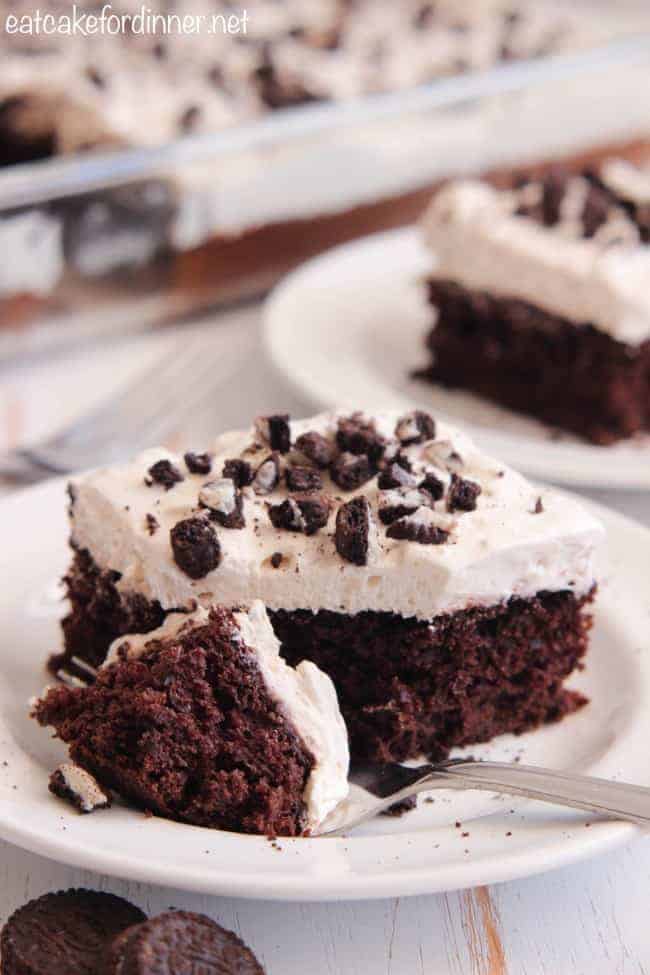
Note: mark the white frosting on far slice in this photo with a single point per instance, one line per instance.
(501, 549)
(481, 244)
(304, 694)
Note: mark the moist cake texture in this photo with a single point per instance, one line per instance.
(445, 595)
(541, 296)
(202, 721)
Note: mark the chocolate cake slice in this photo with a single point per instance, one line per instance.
(446, 596)
(541, 296)
(202, 721)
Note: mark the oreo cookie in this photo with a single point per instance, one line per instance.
(66, 932)
(195, 547)
(179, 943)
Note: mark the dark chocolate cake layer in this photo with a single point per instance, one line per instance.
(572, 376)
(99, 613)
(189, 731)
(408, 688)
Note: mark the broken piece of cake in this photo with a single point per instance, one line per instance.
(447, 597)
(202, 721)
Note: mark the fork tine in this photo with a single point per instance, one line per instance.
(149, 407)
(155, 417)
(160, 376)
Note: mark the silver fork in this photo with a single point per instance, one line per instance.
(376, 787)
(140, 414)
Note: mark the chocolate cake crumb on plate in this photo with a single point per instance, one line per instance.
(64, 933)
(179, 943)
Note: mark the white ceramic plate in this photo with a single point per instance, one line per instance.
(349, 327)
(418, 853)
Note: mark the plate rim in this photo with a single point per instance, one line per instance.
(276, 338)
(559, 845)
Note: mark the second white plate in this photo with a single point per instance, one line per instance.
(349, 327)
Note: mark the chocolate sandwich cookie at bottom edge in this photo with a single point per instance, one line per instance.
(180, 943)
(64, 932)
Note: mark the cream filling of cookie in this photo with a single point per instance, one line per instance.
(83, 786)
(501, 548)
(478, 241)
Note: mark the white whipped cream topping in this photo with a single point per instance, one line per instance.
(497, 551)
(309, 700)
(305, 694)
(480, 243)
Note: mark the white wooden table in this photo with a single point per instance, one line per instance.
(584, 920)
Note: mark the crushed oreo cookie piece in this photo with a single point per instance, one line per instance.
(356, 435)
(78, 787)
(462, 494)
(415, 427)
(151, 523)
(198, 463)
(303, 479)
(189, 118)
(419, 527)
(316, 448)
(276, 559)
(275, 431)
(305, 515)
(350, 471)
(352, 536)
(432, 485)
(195, 547)
(395, 476)
(539, 507)
(224, 501)
(399, 503)
(267, 475)
(424, 16)
(401, 806)
(240, 471)
(165, 473)
(286, 515)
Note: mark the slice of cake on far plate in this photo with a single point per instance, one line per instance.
(541, 296)
(203, 722)
(446, 596)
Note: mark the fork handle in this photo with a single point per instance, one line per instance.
(617, 800)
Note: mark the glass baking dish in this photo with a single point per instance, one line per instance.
(139, 238)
